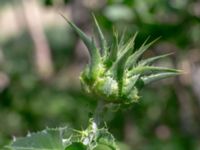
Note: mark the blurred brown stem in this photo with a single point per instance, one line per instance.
(43, 60)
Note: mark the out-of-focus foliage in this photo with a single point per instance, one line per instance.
(166, 118)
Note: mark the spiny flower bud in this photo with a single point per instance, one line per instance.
(116, 73)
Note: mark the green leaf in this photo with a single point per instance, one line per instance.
(102, 147)
(94, 52)
(76, 146)
(131, 84)
(127, 46)
(87, 41)
(135, 56)
(102, 40)
(106, 140)
(159, 76)
(149, 61)
(112, 56)
(55, 139)
(122, 39)
(49, 139)
(142, 70)
(119, 65)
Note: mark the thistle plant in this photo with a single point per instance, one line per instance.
(115, 74)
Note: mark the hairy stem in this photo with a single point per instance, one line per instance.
(99, 112)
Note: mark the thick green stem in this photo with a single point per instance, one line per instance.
(99, 112)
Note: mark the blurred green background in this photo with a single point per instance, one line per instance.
(41, 58)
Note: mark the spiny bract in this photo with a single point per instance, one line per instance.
(115, 72)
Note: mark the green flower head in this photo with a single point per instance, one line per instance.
(115, 72)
